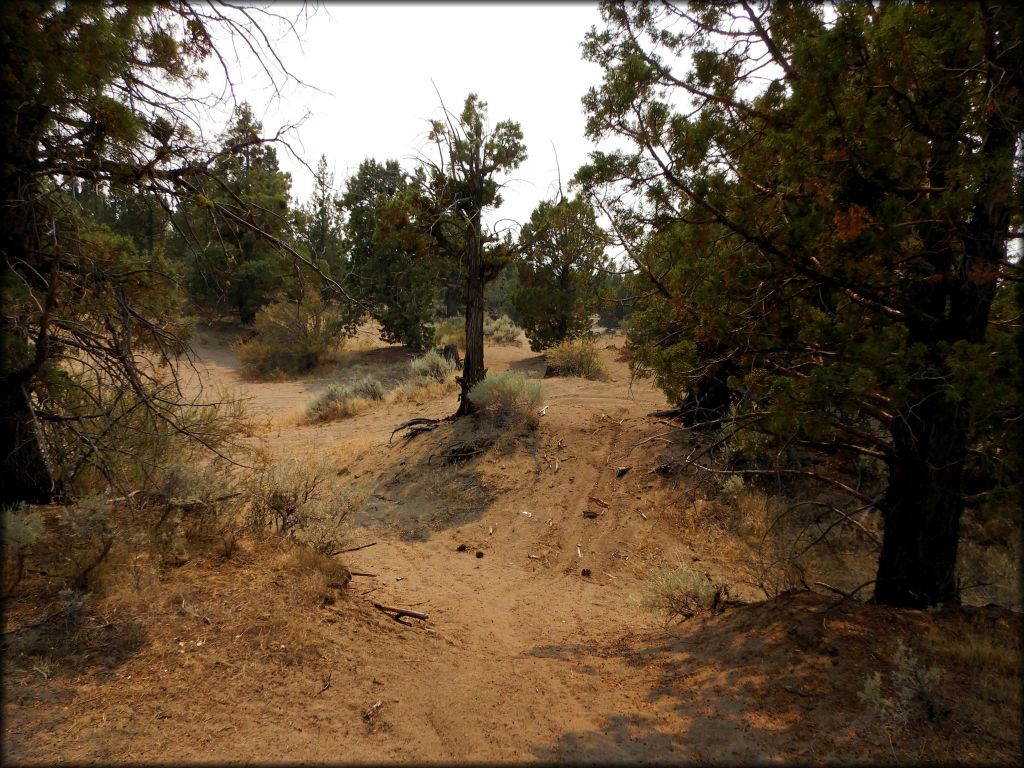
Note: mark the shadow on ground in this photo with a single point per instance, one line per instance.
(435, 480)
(770, 681)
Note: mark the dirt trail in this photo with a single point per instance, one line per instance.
(525, 656)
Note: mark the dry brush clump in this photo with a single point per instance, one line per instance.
(451, 330)
(576, 357)
(508, 398)
(433, 365)
(428, 375)
(499, 330)
(297, 500)
(291, 337)
(341, 401)
(502, 331)
(909, 693)
(681, 593)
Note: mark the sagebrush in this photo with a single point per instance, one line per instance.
(291, 337)
(340, 401)
(297, 500)
(451, 330)
(508, 398)
(683, 593)
(433, 365)
(576, 357)
(502, 330)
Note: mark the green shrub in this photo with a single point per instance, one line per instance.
(433, 365)
(578, 357)
(290, 338)
(508, 398)
(451, 330)
(682, 592)
(502, 331)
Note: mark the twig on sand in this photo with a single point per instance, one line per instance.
(326, 682)
(355, 549)
(397, 613)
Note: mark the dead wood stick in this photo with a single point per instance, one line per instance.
(325, 681)
(354, 549)
(400, 612)
(411, 422)
(599, 502)
(848, 595)
(360, 573)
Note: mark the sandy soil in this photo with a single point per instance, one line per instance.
(523, 657)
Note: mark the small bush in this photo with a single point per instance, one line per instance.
(368, 387)
(339, 401)
(21, 528)
(451, 330)
(683, 593)
(297, 501)
(508, 397)
(910, 695)
(577, 357)
(433, 365)
(290, 338)
(502, 331)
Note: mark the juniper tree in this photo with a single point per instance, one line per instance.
(822, 199)
(454, 191)
(563, 251)
(90, 320)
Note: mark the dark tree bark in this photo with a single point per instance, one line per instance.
(473, 370)
(931, 437)
(22, 463)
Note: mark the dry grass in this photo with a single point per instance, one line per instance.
(771, 539)
(420, 390)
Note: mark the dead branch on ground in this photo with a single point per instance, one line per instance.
(354, 549)
(415, 427)
(398, 613)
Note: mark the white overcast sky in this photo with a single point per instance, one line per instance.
(376, 66)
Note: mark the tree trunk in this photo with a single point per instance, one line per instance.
(923, 505)
(473, 370)
(25, 474)
(23, 469)
(931, 435)
(452, 296)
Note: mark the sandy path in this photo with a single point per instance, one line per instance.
(524, 657)
(520, 651)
